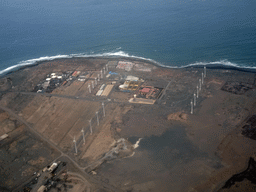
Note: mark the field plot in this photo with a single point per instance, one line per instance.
(70, 88)
(84, 90)
(60, 119)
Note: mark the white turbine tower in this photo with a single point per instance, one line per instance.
(197, 91)
(194, 99)
(89, 87)
(104, 114)
(98, 122)
(191, 103)
(75, 144)
(90, 121)
(83, 135)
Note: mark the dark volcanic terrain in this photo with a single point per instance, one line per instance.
(116, 124)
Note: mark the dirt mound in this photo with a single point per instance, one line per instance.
(179, 116)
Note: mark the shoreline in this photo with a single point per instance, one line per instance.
(210, 65)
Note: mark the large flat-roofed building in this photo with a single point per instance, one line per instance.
(140, 67)
(126, 65)
(107, 90)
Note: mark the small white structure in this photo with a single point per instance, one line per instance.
(132, 78)
(102, 87)
(42, 189)
(99, 93)
(53, 167)
(108, 75)
(46, 84)
(124, 86)
(4, 136)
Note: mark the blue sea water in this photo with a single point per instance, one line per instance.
(174, 33)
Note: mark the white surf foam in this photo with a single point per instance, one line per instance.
(221, 63)
(33, 62)
(119, 54)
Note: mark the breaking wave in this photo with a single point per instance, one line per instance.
(215, 64)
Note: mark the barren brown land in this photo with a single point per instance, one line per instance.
(118, 124)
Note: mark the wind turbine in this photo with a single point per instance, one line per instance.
(83, 135)
(104, 114)
(75, 144)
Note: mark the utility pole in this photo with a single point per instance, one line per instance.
(134, 97)
(90, 121)
(202, 78)
(200, 85)
(194, 99)
(191, 103)
(83, 135)
(97, 118)
(103, 109)
(204, 71)
(75, 144)
(89, 87)
(197, 91)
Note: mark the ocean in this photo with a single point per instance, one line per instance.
(172, 33)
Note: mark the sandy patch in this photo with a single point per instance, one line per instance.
(179, 116)
(101, 144)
